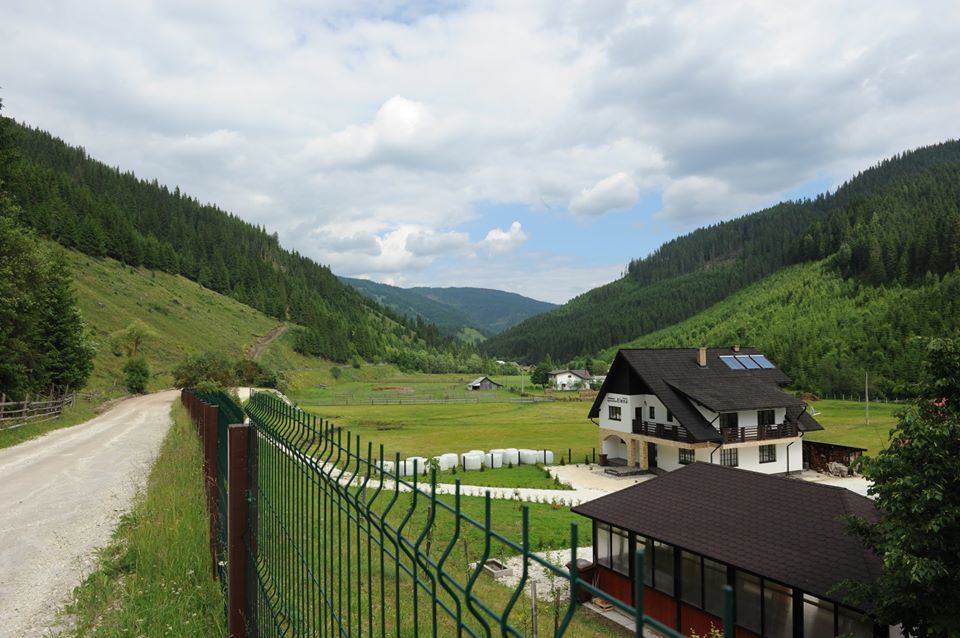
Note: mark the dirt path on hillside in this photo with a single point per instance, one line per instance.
(61, 496)
(257, 349)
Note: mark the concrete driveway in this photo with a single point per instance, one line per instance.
(60, 497)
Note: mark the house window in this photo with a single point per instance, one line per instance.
(768, 453)
(817, 616)
(853, 623)
(686, 456)
(663, 567)
(729, 420)
(653, 413)
(620, 550)
(777, 610)
(714, 580)
(603, 544)
(729, 457)
(613, 548)
(614, 412)
(765, 417)
(690, 571)
(647, 559)
(669, 416)
(747, 592)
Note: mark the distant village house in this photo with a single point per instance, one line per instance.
(568, 379)
(484, 383)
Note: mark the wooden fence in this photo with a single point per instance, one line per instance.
(413, 399)
(13, 414)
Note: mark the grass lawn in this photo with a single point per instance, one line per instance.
(319, 385)
(430, 430)
(154, 579)
(518, 476)
(844, 423)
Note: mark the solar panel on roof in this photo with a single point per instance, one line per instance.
(731, 362)
(762, 361)
(747, 362)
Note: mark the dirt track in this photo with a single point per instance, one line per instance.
(257, 349)
(60, 497)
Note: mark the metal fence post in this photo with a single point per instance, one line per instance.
(729, 631)
(238, 517)
(210, 474)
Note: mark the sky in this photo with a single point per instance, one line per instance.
(535, 147)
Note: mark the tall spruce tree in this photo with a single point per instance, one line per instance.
(61, 337)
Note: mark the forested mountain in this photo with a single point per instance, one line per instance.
(825, 330)
(452, 309)
(890, 224)
(410, 304)
(84, 204)
(492, 311)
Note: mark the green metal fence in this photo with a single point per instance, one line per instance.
(336, 542)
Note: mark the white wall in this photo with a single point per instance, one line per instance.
(668, 458)
(626, 403)
(614, 448)
(567, 381)
(749, 458)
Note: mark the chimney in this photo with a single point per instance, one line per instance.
(702, 357)
(736, 347)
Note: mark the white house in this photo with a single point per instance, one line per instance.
(665, 408)
(568, 379)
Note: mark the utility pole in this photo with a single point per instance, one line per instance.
(866, 395)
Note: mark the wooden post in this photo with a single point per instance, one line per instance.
(210, 474)
(238, 518)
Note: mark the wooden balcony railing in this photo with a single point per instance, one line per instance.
(758, 432)
(676, 432)
(671, 431)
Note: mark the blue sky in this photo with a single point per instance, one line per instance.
(530, 146)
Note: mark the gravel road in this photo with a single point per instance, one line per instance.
(60, 497)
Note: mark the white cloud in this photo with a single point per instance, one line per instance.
(386, 126)
(615, 192)
(500, 241)
(434, 244)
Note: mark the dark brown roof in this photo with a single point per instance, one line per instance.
(724, 395)
(665, 370)
(807, 423)
(782, 528)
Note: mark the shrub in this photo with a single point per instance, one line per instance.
(253, 373)
(336, 372)
(211, 367)
(136, 374)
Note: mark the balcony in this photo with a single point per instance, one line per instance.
(671, 431)
(676, 432)
(758, 432)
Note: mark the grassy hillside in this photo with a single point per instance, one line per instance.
(65, 195)
(185, 317)
(890, 225)
(826, 331)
